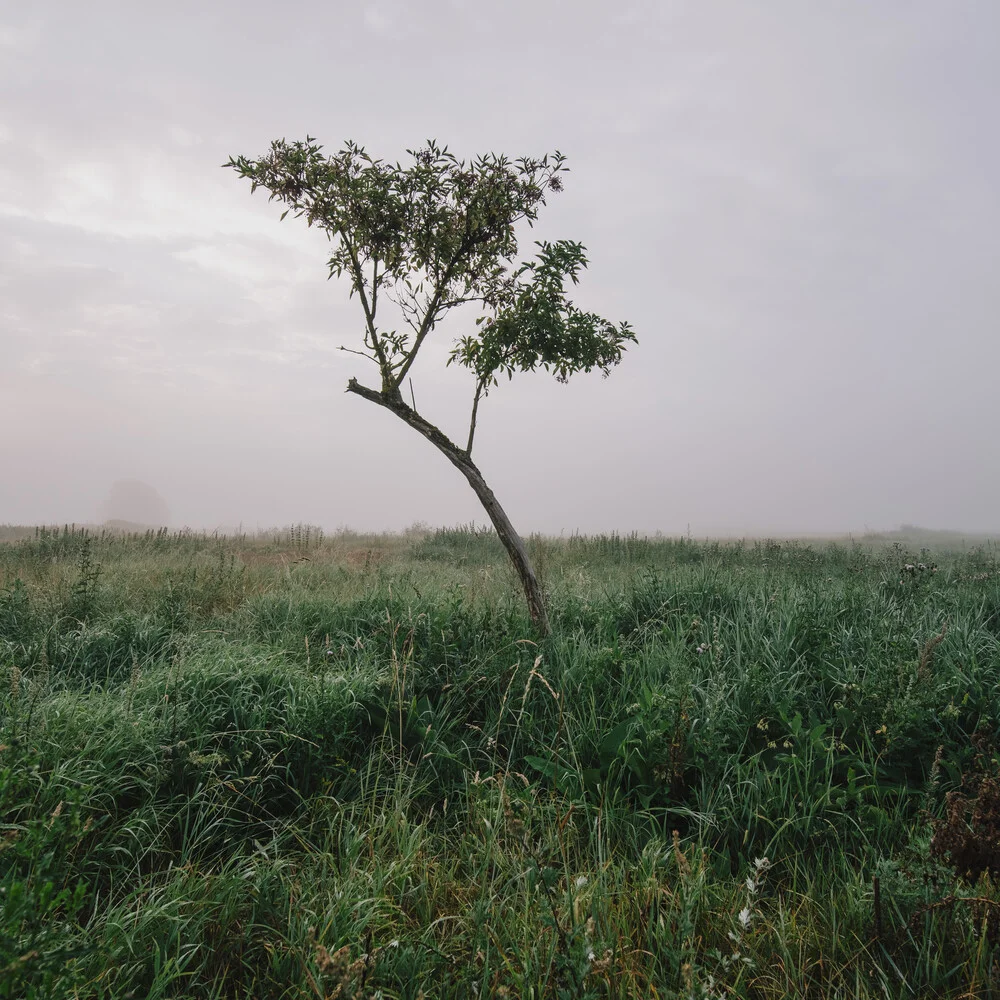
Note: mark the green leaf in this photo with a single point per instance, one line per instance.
(546, 767)
(613, 741)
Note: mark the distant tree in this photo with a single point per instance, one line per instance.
(431, 236)
(131, 502)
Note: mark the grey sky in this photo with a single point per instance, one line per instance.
(795, 205)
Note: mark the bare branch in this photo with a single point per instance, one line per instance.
(472, 421)
(407, 413)
(431, 315)
(406, 299)
(451, 303)
(360, 354)
(359, 284)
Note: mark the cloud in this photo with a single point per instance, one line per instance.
(135, 192)
(20, 37)
(257, 265)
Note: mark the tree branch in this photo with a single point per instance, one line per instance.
(430, 317)
(472, 422)
(451, 303)
(359, 284)
(410, 416)
(360, 354)
(425, 328)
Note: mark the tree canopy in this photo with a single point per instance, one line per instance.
(440, 233)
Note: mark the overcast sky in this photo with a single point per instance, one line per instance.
(794, 204)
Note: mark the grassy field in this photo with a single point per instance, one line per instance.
(306, 767)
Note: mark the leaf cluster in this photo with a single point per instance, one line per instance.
(439, 232)
(538, 326)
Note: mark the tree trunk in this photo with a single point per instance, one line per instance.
(462, 460)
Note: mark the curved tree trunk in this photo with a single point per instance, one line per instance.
(462, 460)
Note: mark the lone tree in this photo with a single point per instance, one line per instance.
(434, 235)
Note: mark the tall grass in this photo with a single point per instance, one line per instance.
(299, 765)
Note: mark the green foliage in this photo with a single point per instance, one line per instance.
(539, 327)
(733, 770)
(441, 233)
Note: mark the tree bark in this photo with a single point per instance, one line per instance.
(462, 460)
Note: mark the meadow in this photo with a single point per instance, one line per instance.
(297, 766)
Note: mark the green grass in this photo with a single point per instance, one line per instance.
(300, 766)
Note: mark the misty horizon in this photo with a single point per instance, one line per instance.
(795, 207)
(133, 505)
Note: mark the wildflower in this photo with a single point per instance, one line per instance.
(744, 917)
(581, 881)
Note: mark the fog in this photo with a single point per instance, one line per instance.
(794, 204)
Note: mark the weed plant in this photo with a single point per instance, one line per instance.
(308, 766)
